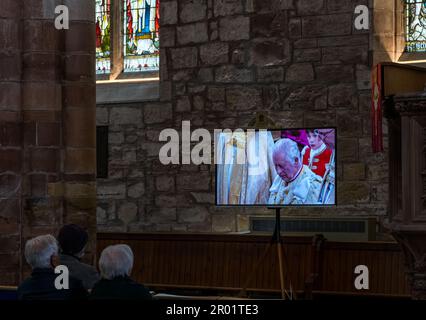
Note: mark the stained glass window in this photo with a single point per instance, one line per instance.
(141, 38)
(103, 37)
(415, 16)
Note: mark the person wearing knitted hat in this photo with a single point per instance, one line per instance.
(72, 241)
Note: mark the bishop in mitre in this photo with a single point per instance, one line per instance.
(295, 183)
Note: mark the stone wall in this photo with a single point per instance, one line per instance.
(299, 62)
(47, 126)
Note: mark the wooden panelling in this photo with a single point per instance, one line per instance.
(225, 261)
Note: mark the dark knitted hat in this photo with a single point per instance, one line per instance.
(72, 239)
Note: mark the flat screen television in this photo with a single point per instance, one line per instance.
(276, 168)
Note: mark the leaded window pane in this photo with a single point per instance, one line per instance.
(141, 38)
(415, 13)
(103, 36)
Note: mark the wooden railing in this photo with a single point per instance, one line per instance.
(223, 262)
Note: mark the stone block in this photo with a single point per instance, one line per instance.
(9, 33)
(363, 77)
(305, 97)
(101, 116)
(202, 197)
(80, 10)
(198, 102)
(10, 96)
(310, 7)
(345, 55)
(320, 119)
(343, 95)
(300, 72)
(192, 33)
(79, 130)
(80, 161)
(163, 215)
(274, 74)
(354, 171)
(227, 7)
(269, 53)
(327, 25)
(136, 190)
(184, 57)
(244, 98)
(74, 190)
(193, 182)
(205, 75)
(350, 40)
(80, 67)
(231, 74)
(9, 184)
(223, 223)
(183, 104)
(349, 124)
(216, 94)
(41, 96)
(166, 201)
(11, 67)
(111, 191)
(234, 28)
(270, 25)
(101, 216)
(74, 42)
(307, 55)
(347, 149)
(10, 9)
(167, 37)
(116, 138)
(305, 43)
(125, 115)
(44, 160)
(193, 10)
(334, 73)
(262, 6)
(295, 28)
(157, 113)
(335, 6)
(350, 193)
(165, 183)
(169, 12)
(79, 95)
(192, 215)
(128, 212)
(214, 53)
(10, 134)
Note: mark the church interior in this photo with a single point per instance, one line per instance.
(103, 106)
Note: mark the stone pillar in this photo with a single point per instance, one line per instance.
(48, 116)
(407, 185)
(79, 103)
(11, 148)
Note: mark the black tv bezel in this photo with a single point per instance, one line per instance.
(269, 206)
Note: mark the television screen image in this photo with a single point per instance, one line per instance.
(275, 168)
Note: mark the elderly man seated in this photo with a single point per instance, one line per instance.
(41, 254)
(115, 264)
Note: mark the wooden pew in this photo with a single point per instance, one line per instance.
(221, 263)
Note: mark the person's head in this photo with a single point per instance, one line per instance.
(287, 159)
(116, 261)
(42, 252)
(314, 139)
(72, 240)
